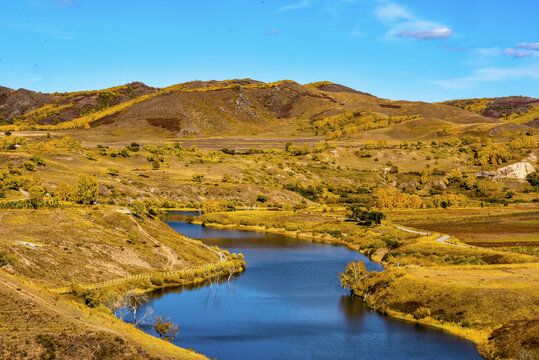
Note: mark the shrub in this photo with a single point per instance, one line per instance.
(7, 258)
(261, 198)
(28, 165)
(38, 160)
(421, 312)
(134, 147)
(112, 172)
(198, 177)
(533, 179)
(157, 280)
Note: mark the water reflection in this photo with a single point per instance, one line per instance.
(351, 307)
(289, 305)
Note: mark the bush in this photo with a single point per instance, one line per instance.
(112, 172)
(198, 178)
(28, 165)
(157, 280)
(134, 147)
(7, 258)
(38, 160)
(421, 312)
(261, 198)
(533, 179)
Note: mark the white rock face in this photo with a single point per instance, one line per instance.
(517, 170)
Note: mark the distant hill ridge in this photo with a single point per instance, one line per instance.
(237, 106)
(512, 109)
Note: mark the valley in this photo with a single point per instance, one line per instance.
(89, 179)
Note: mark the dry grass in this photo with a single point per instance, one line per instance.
(36, 325)
(487, 227)
(58, 247)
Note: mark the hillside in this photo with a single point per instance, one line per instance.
(231, 107)
(511, 109)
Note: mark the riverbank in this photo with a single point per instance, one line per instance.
(474, 302)
(89, 254)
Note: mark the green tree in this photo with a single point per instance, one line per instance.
(533, 179)
(365, 217)
(85, 190)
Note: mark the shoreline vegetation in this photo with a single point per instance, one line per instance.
(469, 310)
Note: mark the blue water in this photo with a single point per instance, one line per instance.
(186, 212)
(288, 304)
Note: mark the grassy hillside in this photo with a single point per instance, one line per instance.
(60, 246)
(243, 107)
(511, 109)
(37, 325)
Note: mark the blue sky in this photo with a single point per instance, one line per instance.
(404, 49)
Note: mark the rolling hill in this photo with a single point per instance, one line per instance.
(241, 107)
(510, 109)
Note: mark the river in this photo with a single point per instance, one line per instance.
(288, 304)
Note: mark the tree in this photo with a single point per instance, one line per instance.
(63, 191)
(533, 179)
(213, 206)
(36, 196)
(166, 329)
(352, 277)
(365, 217)
(137, 207)
(85, 190)
(132, 300)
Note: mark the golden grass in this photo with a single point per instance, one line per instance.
(35, 324)
(93, 245)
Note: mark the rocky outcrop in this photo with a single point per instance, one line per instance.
(517, 170)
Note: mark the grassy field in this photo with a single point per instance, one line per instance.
(510, 227)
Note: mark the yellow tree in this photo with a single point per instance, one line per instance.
(85, 190)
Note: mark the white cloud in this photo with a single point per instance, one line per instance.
(273, 32)
(405, 24)
(528, 46)
(491, 75)
(392, 12)
(438, 33)
(517, 53)
(300, 5)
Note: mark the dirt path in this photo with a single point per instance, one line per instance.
(412, 231)
(442, 239)
(5, 283)
(167, 252)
